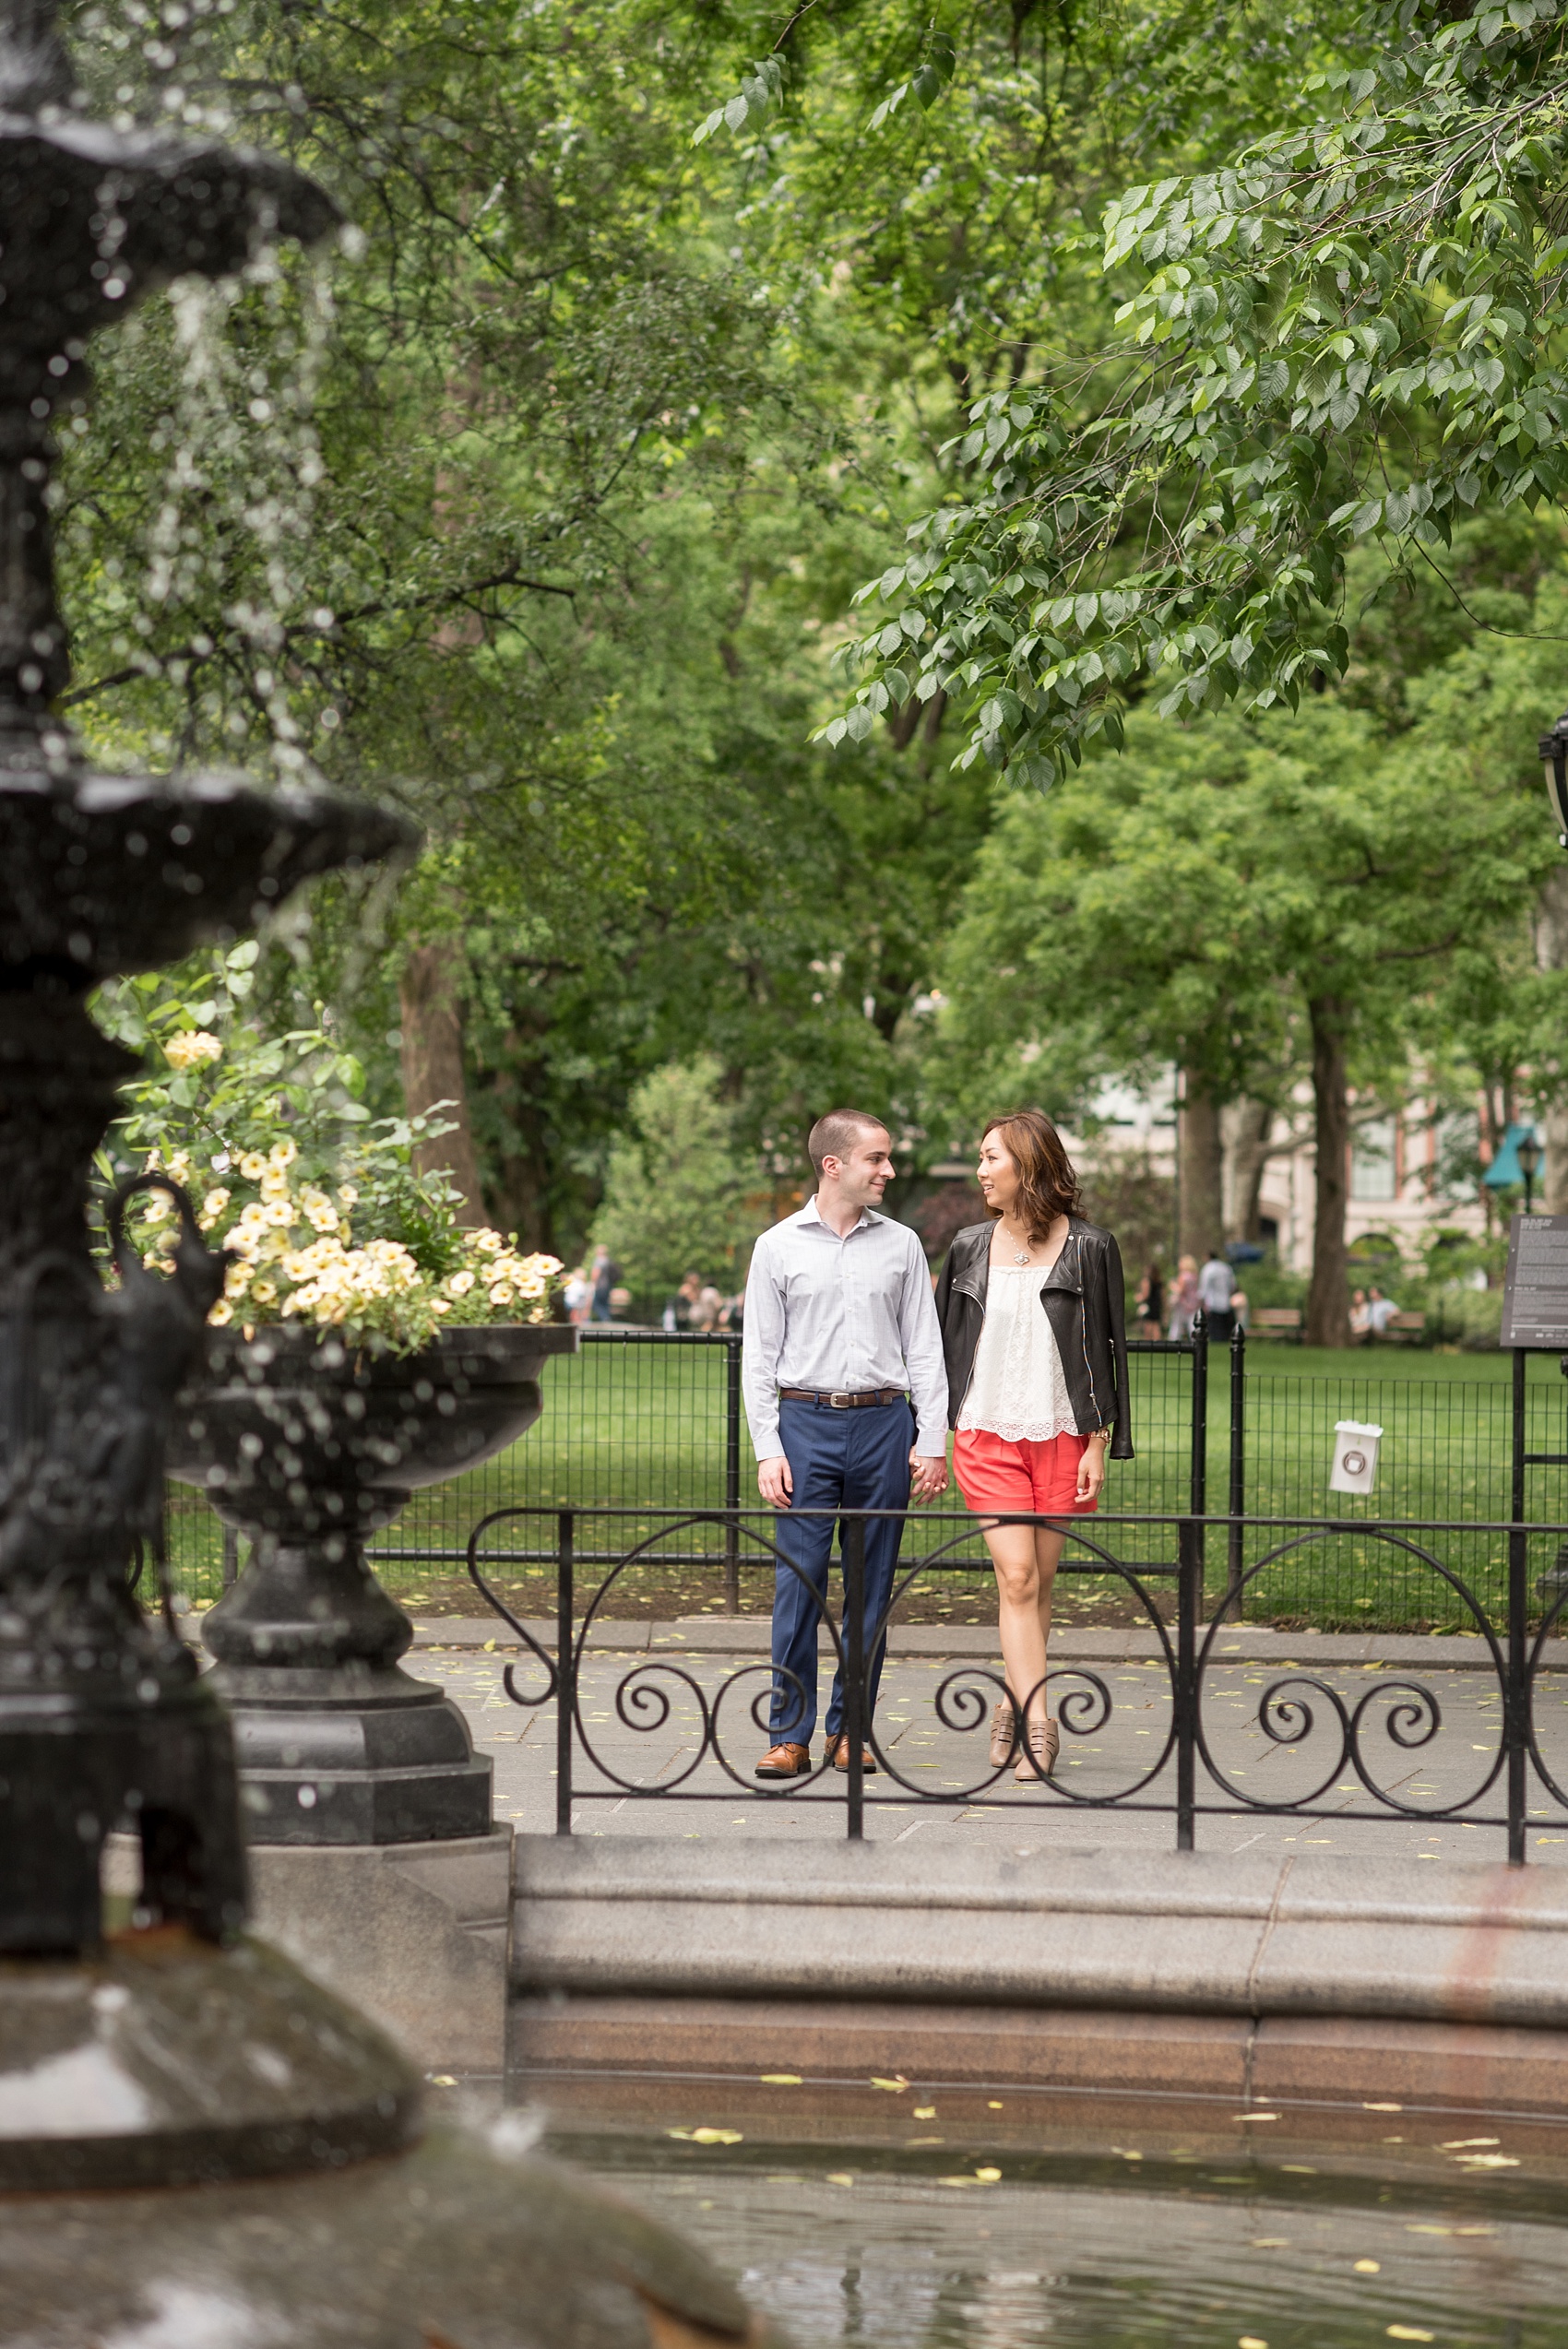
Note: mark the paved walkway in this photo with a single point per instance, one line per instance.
(641, 1709)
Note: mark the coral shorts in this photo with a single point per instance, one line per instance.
(994, 1473)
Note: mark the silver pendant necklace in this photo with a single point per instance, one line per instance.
(1020, 1255)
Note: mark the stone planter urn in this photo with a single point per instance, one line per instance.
(308, 1444)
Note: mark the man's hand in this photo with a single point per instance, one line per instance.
(774, 1481)
(928, 1475)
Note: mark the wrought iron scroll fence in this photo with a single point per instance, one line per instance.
(1306, 1740)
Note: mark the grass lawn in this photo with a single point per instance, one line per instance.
(644, 1427)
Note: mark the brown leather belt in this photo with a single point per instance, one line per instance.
(841, 1402)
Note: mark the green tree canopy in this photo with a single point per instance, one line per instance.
(681, 1196)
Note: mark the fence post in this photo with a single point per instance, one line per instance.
(565, 1674)
(231, 1557)
(1197, 1487)
(1516, 1702)
(1234, 1561)
(1189, 1602)
(853, 1536)
(733, 1474)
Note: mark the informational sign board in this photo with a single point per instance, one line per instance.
(1535, 1296)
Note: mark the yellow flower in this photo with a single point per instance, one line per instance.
(253, 1166)
(189, 1051)
(283, 1154)
(265, 1291)
(460, 1284)
(280, 1212)
(440, 1305)
(212, 1207)
(237, 1279)
(158, 1208)
(487, 1243)
(500, 1294)
(223, 1312)
(346, 1194)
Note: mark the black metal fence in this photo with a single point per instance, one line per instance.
(1316, 1746)
(652, 1421)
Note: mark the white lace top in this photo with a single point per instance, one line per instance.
(1018, 1390)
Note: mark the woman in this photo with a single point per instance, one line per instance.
(1031, 1306)
(1184, 1298)
(1150, 1302)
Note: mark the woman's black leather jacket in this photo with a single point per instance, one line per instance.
(1084, 1300)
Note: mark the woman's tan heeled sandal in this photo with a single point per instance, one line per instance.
(1002, 1735)
(1045, 1741)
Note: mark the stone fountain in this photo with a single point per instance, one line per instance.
(178, 2052)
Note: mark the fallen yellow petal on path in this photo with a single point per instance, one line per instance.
(988, 2176)
(1455, 2144)
(707, 2136)
(839, 2177)
(1369, 2267)
(1409, 2332)
(894, 2087)
(780, 2078)
(925, 2112)
(1251, 2340)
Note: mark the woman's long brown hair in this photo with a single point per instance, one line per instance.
(1048, 1186)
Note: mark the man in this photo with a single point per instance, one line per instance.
(1215, 1284)
(1381, 1311)
(839, 1323)
(603, 1275)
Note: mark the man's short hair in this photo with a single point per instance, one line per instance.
(835, 1135)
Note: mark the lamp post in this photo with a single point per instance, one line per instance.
(1529, 1155)
(1554, 749)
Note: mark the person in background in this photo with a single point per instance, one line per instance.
(1184, 1298)
(709, 1307)
(603, 1275)
(1215, 1283)
(685, 1306)
(576, 1294)
(1150, 1303)
(1361, 1323)
(1381, 1311)
(1240, 1309)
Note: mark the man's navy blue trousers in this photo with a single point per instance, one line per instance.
(837, 1460)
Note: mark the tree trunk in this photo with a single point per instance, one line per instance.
(1245, 1127)
(1328, 1299)
(432, 1018)
(1551, 953)
(1201, 1216)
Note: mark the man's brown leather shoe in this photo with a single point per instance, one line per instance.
(784, 1760)
(836, 1752)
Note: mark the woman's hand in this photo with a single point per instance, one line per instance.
(1091, 1469)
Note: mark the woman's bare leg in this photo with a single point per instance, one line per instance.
(1023, 1610)
(1048, 1557)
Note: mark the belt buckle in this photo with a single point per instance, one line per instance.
(839, 1401)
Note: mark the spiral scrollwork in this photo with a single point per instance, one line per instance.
(769, 1678)
(644, 1704)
